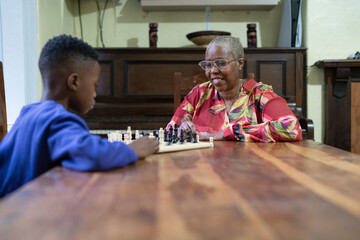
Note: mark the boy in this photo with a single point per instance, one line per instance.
(47, 134)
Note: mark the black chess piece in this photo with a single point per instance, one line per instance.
(171, 130)
(188, 136)
(176, 131)
(194, 138)
(182, 140)
(165, 135)
(175, 138)
(170, 135)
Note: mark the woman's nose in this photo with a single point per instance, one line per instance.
(214, 68)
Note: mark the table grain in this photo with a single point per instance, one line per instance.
(301, 190)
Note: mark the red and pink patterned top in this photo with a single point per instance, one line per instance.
(258, 114)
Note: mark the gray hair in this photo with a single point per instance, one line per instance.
(231, 44)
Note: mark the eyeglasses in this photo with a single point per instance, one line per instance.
(218, 63)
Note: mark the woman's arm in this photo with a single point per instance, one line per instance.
(276, 122)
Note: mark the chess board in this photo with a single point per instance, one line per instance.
(165, 145)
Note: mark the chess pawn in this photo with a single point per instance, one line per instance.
(188, 137)
(129, 134)
(166, 136)
(125, 138)
(182, 136)
(137, 134)
(170, 137)
(109, 135)
(194, 138)
(118, 136)
(176, 134)
(211, 140)
(161, 135)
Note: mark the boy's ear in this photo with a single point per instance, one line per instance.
(73, 81)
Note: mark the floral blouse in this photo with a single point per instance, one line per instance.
(258, 114)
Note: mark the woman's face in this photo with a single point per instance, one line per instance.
(227, 77)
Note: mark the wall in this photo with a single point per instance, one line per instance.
(126, 25)
(19, 54)
(331, 32)
(54, 18)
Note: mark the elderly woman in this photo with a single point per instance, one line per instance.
(227, 107)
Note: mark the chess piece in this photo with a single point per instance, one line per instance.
(188, 137)
(174, 138)
(129, 134)
(119, 136)
(194, 138)
(126, 138)
(166, 136)
(182, 136)
(176, 133)
(211, 140)
(161, 135)
(170, 136)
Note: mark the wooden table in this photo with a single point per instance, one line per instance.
(302, 190)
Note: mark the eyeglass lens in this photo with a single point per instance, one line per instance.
(219, 63)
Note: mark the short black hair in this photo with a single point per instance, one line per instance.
(63, 48)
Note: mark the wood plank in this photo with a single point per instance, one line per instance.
(355, 117)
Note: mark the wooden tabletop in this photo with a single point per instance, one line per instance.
(302, 190)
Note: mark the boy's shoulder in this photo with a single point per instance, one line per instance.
(43, 108)
(46, 112)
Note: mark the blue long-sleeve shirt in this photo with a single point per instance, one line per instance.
(45, 135)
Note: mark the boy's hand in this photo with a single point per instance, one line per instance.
(145, 146)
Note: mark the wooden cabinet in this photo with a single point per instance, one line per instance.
(342, 103)
(136, 84)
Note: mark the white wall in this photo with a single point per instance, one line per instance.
(19, 54)
(332, 31)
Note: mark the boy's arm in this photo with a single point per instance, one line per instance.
(71, 143)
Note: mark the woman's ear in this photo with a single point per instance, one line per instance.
(241, 63)
(73, 81)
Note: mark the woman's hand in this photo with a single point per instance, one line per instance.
(215, 136)
(187, 126)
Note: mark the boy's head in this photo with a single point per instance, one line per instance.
(70, 70)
